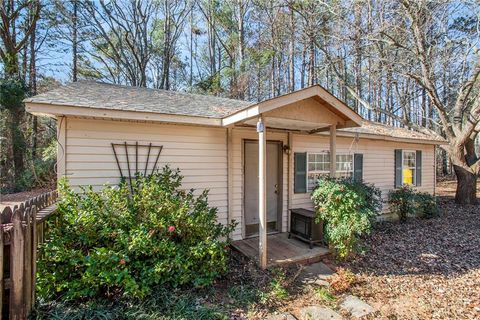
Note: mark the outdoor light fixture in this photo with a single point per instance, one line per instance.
(286, 149)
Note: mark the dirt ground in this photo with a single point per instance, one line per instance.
(447, 188)
(424, 269)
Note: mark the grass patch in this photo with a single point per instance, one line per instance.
(163, 305)
(245, 290)
(244, 295)
(325, 295)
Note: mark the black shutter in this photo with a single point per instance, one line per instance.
(398, 168)
(300, 174)
(418, 171)
(358, 167)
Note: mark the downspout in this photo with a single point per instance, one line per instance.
(61, 163)
(289, 176)
(229, 175)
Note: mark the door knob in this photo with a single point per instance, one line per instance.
(276, 188)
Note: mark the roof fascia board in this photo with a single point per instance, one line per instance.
(274, 103)
(386, 138)
(339, 105)
(64, 110)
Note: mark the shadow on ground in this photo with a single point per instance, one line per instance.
(446, 244)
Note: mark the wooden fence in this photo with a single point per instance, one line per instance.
(21, 230)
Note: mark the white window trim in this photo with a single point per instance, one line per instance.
(327, 172)
(414, 178)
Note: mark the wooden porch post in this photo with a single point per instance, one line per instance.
(262, 192)
(333, 150)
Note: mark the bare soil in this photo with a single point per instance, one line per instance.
(447, 188)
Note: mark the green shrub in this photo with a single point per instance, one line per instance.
(110, 242)
(401, 202)
(427, 205)
(40, 174)
(348, 209)
(406, 202)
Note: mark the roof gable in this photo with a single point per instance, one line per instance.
(326, 103)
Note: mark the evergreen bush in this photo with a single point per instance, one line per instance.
(348, 209)
(117, 242)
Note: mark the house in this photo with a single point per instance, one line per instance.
(257, 159)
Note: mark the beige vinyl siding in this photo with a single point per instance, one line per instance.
(378, 162)
(199, 152)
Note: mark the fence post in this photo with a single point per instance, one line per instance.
(27, 288)
(34, 250)
(17, 256)
(1, 271)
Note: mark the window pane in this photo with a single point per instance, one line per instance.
(409, 159)
(408, 172)
(408, 176)
(311, 157)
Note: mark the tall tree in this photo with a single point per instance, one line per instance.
(13, 41)
(123, 38)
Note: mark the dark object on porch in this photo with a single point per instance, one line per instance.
(304, 227)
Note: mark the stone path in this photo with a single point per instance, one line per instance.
(316, 274)
(356, 307)
(282, 316)
(319, 313)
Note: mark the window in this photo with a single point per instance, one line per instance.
(344, 165)
(318, 165)
(409, 161)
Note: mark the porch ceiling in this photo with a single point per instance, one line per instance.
(311, 109)
(290, 124)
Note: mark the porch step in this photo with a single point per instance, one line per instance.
(281, 250)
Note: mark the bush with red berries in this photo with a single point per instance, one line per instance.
(126, 241)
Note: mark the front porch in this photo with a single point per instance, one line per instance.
(263, 161)
(281, 250)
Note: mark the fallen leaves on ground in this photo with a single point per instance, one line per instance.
(424, 269)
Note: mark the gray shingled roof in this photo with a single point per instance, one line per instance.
(379, 129)
(100, 95)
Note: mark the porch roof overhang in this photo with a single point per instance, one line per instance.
(312, 110)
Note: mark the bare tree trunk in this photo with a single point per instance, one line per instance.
(190, 78)
(466, 192)
(241, 51)
(291, 53)
(302, 70)
(74, 40)
(358, 52)
(311, 61)
(33, 91)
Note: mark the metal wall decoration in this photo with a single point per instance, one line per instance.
(153, 150)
